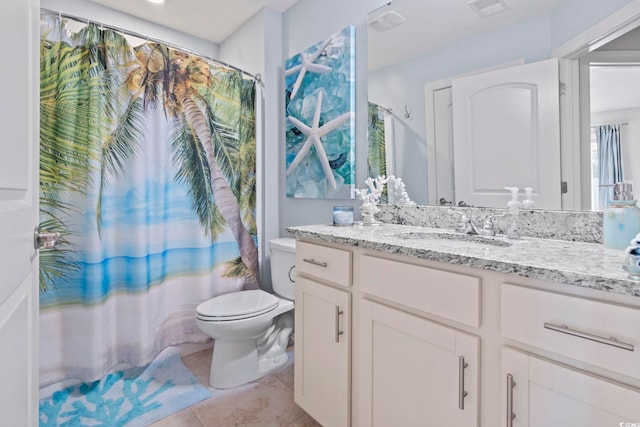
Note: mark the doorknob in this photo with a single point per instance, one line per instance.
(43, 240)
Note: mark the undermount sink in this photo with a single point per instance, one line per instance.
(459, 237)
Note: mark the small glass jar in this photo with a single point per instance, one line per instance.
(342, 216)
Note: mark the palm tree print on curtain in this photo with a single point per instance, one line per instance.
(376, 155)
(148, 171)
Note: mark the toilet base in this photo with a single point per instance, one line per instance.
(234, 363)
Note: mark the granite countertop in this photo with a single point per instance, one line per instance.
(589, 265)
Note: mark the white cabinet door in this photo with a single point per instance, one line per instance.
(414, 372)
(322, 352)
(19, 214)
(506, 132)
(546, 394)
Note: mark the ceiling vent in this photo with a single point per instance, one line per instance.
(486, 8)
(386, 21)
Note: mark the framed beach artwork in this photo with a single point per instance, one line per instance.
(320, 119)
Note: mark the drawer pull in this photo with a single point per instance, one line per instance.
(337, 322)
(510, 415)
(608, 341)
(462, 393)
(314, 262)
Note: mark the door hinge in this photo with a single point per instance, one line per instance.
(563, 88)
(564, 187)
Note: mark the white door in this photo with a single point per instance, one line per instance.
(415, 373)
(323, 336)
(544, 394)
(443, 141)
(19, 213)
(506, 130)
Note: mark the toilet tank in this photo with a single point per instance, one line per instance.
(283, 266)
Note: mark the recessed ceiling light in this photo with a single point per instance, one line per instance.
(486, 8)
(156, 1)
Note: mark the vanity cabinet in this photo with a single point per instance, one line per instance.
(418, 372)
(415, 372)
(595, 332)
(540, 393)
(384, 339)
(323, 333)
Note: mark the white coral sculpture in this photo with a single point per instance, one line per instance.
(370, 197)
(397, 192)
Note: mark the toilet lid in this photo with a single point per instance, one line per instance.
(237, 305)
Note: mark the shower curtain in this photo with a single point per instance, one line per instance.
(148, 171)
(376, 154)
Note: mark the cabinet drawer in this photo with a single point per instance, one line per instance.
(594, 332)
(450, 295)
(322, 262)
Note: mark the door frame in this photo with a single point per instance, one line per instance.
(604, 58)
(574, 100)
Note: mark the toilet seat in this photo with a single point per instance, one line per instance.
(237, 306)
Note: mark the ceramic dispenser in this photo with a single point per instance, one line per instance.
(621, 218)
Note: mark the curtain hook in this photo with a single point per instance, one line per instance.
(407, 112)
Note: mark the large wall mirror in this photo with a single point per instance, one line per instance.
(410, 79)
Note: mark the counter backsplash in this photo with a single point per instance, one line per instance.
(576, 226)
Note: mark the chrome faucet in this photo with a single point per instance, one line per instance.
(465, 223)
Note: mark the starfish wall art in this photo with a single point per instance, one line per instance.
(320, 125)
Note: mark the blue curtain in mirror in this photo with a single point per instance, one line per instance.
(609, 160)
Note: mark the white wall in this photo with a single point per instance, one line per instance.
(105, 15)
(629, 140)
(245, 47)
(304, 24)
(575, 16)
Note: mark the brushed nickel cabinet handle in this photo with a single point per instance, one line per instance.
(510, 415)
(564, 329)
(462, 393)
(314, 262)
(337, 323)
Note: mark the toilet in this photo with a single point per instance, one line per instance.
(251, 328)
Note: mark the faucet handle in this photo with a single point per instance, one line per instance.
(488, 227)
(463, 221)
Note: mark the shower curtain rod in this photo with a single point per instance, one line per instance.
(257, 76)
(621, 124)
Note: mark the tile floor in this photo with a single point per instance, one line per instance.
(267, 402)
